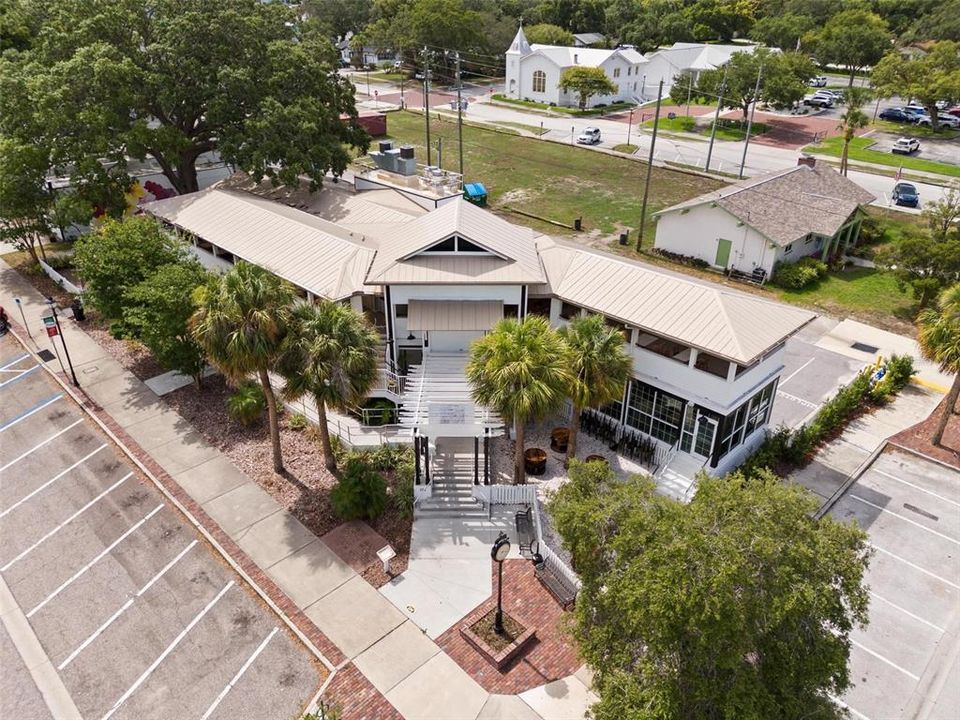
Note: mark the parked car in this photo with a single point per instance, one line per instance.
(946, 121)
(955, 111)
(818, 81)
(906, 146)
(915, 112)
(897, 115)
(905, 193)
(589, 136)
(819, 99)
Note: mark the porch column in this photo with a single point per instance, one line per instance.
(486, 456)
(827, 242)
(416, 458)
(426, 458)
(476, 460)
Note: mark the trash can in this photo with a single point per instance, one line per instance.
(475, 193)
(78, 312)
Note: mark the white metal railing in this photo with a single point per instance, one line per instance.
(60, 279)
(390, 382)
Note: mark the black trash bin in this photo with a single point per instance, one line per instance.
(79, 314)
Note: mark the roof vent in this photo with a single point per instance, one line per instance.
(808, 160)
(406, 152)
(386, 145)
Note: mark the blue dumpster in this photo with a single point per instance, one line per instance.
(475, 193)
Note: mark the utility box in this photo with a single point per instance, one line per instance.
(475, 193)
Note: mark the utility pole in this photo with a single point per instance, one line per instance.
(716, 119)
(646, 187)
(629, 126)
(459, 114)
(426, 96)
(753, 109)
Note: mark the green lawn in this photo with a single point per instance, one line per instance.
(552, 180)
(681, 123)
(727, 130)
(614, 107)
(865, 291)
(917, 131)
(535, 129)
(859, 150)
(381, 75)
(624, 148)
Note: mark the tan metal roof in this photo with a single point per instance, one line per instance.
(787, 204)
(732, 325)
(320, 256)
(513, 258)
(453, 314)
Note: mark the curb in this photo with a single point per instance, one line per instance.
(207, 535)
(923, 456)
(851, 479)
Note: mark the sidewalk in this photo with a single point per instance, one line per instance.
(383, 666)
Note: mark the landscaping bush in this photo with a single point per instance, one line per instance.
(688, 260)
(247, 404)
(361, 491)
(389, 456)
(402, 493)
(297, 421)
(899, 370)
(800, 274)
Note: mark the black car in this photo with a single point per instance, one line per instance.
(906, 194)
(896, 115)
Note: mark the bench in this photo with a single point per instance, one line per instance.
(525, 531)
(563, 591)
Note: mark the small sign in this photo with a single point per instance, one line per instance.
(50, 323)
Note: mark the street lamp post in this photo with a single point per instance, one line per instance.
(630, 126)
(499, 552)
(23, 317)
(56, 318)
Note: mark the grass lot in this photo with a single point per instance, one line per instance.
(624, 148)
(535, 129)
(614, 107)
(553, 180)
(917, 131)
(381, 75)
(681, 123)
(859, 150)
(726, 130)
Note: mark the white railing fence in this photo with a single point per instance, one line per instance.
(60, 279)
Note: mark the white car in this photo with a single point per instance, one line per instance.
(819, 99)
(905, 146)
(589, 136)
(818, 81)
(947, 121)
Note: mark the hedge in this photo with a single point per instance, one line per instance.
(799, 274)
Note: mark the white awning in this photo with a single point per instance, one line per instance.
(453, 314)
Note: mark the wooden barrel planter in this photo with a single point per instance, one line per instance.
(535, 461)
(597, 458)
(559, 438)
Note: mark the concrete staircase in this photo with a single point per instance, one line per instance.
(677, 479)
(451, 475)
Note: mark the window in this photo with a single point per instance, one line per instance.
(759, 409)
(539, 306)
(511, 311)
(400, 310)
(622, 327)
(634, 87)
(809, 239)
(629, 71)
(662, 346)
(787, 249)
(455, 244)
(616, 72)
(464, 245)
(712, 364)
(737, 426)
(654, 412)
(539, 81)
(568, 311)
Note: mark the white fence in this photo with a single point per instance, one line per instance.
(60, 279)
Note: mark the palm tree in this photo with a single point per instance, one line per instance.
(939, 340)
(521, 370)
(852, 120)
(241, 321)
(600, 368)
(331, 355)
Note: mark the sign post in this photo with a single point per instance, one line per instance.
(54, 329)
(50, 326)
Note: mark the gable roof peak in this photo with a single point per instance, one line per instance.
(520, 43)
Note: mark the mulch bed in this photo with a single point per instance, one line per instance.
(917, 437)
(484, 627)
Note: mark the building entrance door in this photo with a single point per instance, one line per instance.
(723, 252)
(704, 435)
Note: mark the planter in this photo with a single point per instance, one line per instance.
(597, 458)
(535, 461)
(559, 438)
(506, 651)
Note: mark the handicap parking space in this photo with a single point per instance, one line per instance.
(910, 508)
(137, 613)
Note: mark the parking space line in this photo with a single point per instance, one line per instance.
(906, 612)
(805, 403)
(52, 480)
(93, 562)
(40, 445)
(23, 374)
(795, 372)
(236, 678)
(889, 662)
(917, 487)
(845, 706)
(914, 565)
(170, 648)
(123, 608)
(905, 519)
(70, 519)
(15, 361)
(29, 411)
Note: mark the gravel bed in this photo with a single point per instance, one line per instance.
(132, 354)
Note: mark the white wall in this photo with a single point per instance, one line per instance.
(209, 260)
(520, 70)
(695, 233)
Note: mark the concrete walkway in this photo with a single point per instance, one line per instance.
(357, 622)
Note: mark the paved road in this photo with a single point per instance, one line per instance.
(139, 616)
(905, 663)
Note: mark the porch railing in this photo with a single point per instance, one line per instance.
(628, 442)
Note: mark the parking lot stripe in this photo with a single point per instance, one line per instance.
(795, 372)
(70, 519)
(841, 703)
(170, 648)
(914, 565)
(40, 445)
(52, 480)
(236, 678)
(805, 403)
(29, 411)
(906, 612)
(15, 361)
(93, 562)
(917, 487)
(123, 608)
(23, 374)
(881, 658)
(905, 519)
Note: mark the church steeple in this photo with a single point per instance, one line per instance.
(520, 45)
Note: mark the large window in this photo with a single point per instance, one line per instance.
(712, 364)
(616, 72)
(654, 412)
(539, 81)
(738, 425)
(663, 346)
(568, 311)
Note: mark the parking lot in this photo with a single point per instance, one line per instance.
(905, 664)
(137, 613)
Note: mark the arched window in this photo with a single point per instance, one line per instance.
(539, 81)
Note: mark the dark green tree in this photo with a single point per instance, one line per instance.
(852, 39)
(547, 34)
(586, 82)
(736, 605)
(923, 264)
(782, 31)
(927, 79)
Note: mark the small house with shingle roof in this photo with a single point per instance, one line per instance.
(807, 210)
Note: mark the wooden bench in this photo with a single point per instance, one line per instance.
(563, 591)
(525, 532)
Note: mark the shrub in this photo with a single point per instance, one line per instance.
(682, 259)
(361, 491)
(899, 370)
(389, 456)
(297, 421)
(384, 413)
(799, 274)
(118, 330)
(402, 494)
(247, 403)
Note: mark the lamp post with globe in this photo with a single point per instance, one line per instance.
(499, 552)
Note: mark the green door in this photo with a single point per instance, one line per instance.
(723, 252)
